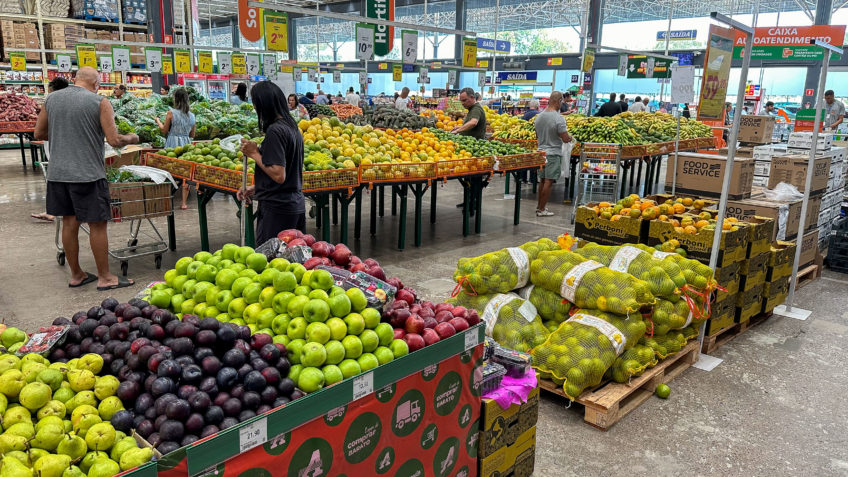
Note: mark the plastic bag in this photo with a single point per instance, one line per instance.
(665, 278)
(631, 363)
(501, 271)
(550, 305)
(512, 321)
(583, 348)
(783, 192)
(231, 143)
(589, 284)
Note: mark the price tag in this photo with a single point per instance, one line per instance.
(622, 65)
(410, 46)
(423, 75)
(225, 63)
(121, 58)
(364, 42)
(481, 79)
(252, 65)
(18, 60)
(63, 62)
(363, 77)
(269, 66)
(297, 74)
(86, 55)
(452, 74)
(153, 59)
(682, 84)
(649, 68)
(253, 435)
(204, 62)
(312, 74)
(276, 31)
(105, 64)
(239, 64)
(182, 60)
(337, 76)
(363, 385)
(397, 72)
(469, 52)
(167, 65)
(471, 339)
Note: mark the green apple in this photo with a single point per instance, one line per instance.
(177, 302)
(239, 285)
(296, 328)
(368, 361)
(236, 308)
(242, 253)
(281, 339)
(321, 279)
(293, 351)
(310, 380)
(200, 291)
(256, 261)
(192, 268)
(266, 298)
(212, 294)
(332, 374)
(298, 270)
(383, 354)
(305, 279)
(280, 303)
(222, 300)
(355, 323)
(339, 305)
(188, 288)
(279, 264)
(317, 333)
(358, 302)
(386, 333)
(335, 352)
(266, 277)
(265, 319)
(228, 251)
(284, 281)
(296, 305)
(399, 348)
(316, 310)
(182, 265)
(179, 281)
(249, 273)
(336, 290)
(349, 368)
(252, 327)
(159, 298)
(370, 340)
(371, 317)
(302, 290)
(313, 354)
(169, 277)
(280, 324)
(202, 256)
(338, 328)
(237, 321)
(215, 262)
(225, 264)
(211, 311)
(352, 346)
(187, 307)
(251, 312)
(238, 267)
(224, 278)
(318, 295)
(223, 317)
(200, 309)
(251, 293)
(206, 273)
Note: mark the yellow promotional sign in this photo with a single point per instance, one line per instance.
(716, 74)
(276, 31)
(86, 56)
(167, 65)
(588, 60)
(397, 72)
(554, 61)
(383, 66)
(182, 59)
(239, 64)
(469, 52)
(18, 60)
(204, 62)
(482, 63)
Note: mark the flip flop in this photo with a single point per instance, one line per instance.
(88, 279)
(122, 282)
(41, 216)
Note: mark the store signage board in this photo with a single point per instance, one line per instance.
(252, 64)
(63, 63)
(409, 44)
(105, 64)
(752, 91)
(490, 45)
(511, 77)
(383, 35)
(554, 61)
(239, 64)
(363, 77)
(716, 74)
(152, 59)
(337, 76)
(182, 60)
(677, 35)
(397, 72)
(452, 76)
(86, 55)
(588, 60)
(121, 58)
(423, 76)
(276, 31)
(622, 65)
(575, 78)
(297, 74)
(481, 78)
(18, 60)
(312, 74)
(364, 42)
(225, 63)
(482, 63)
(269, 66)
(682, 84)
(469, 52)
(167, 65)
(649, 67)
(638, 67)
(684, 58)
(204, 62)
(250, 21)
(790, 43)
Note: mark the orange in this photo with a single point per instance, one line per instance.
(663, 218)
(701, 223)
(689, 229)
(727, 226)
(679, 208)
(687, 202)
(604, 205)
(635, 213)
(698, 204)
(615, 218)
(624, 211)
(705, 215)
(679, 230)
(666, 209)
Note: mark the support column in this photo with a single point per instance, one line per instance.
(161, 22)
(596, 20)
(460, 25)
(235, 34)
(292, 32)
(823, 14)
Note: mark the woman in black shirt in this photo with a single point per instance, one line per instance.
(278, 179)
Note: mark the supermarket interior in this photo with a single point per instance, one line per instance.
(434, 238)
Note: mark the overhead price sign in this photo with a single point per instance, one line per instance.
(269, 66)
(363, 77)
(182, 60)
(682, 84)
(383, 35)
(677, 35)
(63, 63)
(554, 61)
(252, 64)
(638, 67)
(167, 65)
(790, 43)
(622, 65)
(716, 74)
(204, 62)
(409, 43)
(491, 45)
(250, 21)
(276, 31)
(105, 64)
(152, 59)
(225, 63)
(86, 55)
(364, 42)
(481, 78)
(469, 52)
(239, 64)
(121, 58)
(423, 76)
(337, 76)
(588, 60)
(452, 77)
(397, 72)
(18, 60)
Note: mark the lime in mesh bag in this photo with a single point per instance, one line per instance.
(665, 278)
(632, 363)
(589, 284)
(553, 308)
(500, 271)
(667, 316)
(665, 345)
(700, 280)
(581, 350)
(511, 320)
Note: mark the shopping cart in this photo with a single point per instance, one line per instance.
(133, 212)
(599, 177)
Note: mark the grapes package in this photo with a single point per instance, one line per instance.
(551, 306)
(632, 363)
(589, 284)
(665, 278)
(501, 271)
(511, 320)
(583, 348)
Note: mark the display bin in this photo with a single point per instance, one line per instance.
(177, 167)
(530, 144)
(219, 177)
(465, 167)
(707, 142)
(519, 161)
(416, 415)
(837, 249)
(16, 126)
(733, 245)
(315, 181)
(593, 228)
(397, 172)
(157, 199)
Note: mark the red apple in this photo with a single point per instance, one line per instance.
(414, 341)
(399, 317)
(399, 304)
(341, 255)
(429, 322)
(473, 318)
(445, 330)
(289, 234)
(395, 282)
(354, 260)
(406, 296)
(313, 262)
(430, 336)
(321, 249)
(399, 334)
(358, 267)
(414, 307)
(444, 316)
(377, 272)
(459, 324)
(426, 312)
(297, 241)
(428, 304)
(443, 307)
(309, 239)
(414, 324)
(371, 262)
(460, 312)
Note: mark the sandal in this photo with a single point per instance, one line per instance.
(85, 281)
(122, 282)
(42, 216)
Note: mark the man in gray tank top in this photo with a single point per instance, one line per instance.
(76, 120)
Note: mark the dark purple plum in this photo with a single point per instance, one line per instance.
(246, 414)
(251, 400)
(172, 430)
(269, 394)
(191, 374)
(234, 358)
(122, 421)
(269, 353)
(199, 401)
(179, 410)
(109, 303)
(210, 365)
(145, 428)
(228, 422)
(167, 447)
(226, 378)
(186, 390)
(205, 338)
(182, 346)
(128, 391)
(209, 385)
(87, 327)
(143, 402)
(232, 407)
(201, 353)
(209, 430)
(220, 399)
(254, 381)
(286, 387)
(214, 415)
(194, 423)
(162, 385)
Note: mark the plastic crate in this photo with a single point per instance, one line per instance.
(398, 172)
(464, 167)
(520, 161)
(330, 180)
(220, 178)
(177, 167)
(837, 250)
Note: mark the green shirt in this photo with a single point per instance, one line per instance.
(478, 131)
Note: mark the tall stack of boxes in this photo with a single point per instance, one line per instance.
(17, 36)
(507, 441)
(135, 11)
(62, 36)
(7, 34)
(778, 270)
(752, 270)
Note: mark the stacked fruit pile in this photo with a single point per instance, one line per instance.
(480, 147)
(212, 154)
(685, 214)
(602, 130)
(662, 127)
(385, 116)
(504, 121)
(525, 131)
(344, 111)
(443, 121)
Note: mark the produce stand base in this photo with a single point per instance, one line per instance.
(722, 337)
(610, 402)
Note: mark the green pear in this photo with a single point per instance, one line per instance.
(62, 367)
(51, 377)
(72, 364)
(35, 454)
(81, 379)
(35, 357)
(31, 369)
(100, 437)
(72, 446)
(85, 397)
(81, 411)
(52, 465)
(4, 403)
(48, 437)
(9, 361)
(85, 423)
(92, 362)
(73, 471)
(11, 467)
(9, 443)
(52, 408)
(135, 457)
(23, 429)
(35, 395)
(11, 336)
(21, 456)
(109, 406)
(106, 386)
(54, 420)
(104, 468)
(89, 459)
(16, 414)
(64, 394)
(122, 446)
(119, 436)
(11, 383)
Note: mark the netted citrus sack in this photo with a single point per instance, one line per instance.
(550, 305)
(632, 363)
(501, 271)
(692, 331)
(667, 315)
(589, 284)
(700, 279)
(665, 278)
(511, 320)
(581, 350)
(665, 345)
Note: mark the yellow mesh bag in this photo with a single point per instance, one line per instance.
(632, 363)
(501, 271)
(667, 315)
(589, 284)
(510, 320)
(691, 331)
(700, 280)
(581, 350)
(550, 305)
(665, 345)
(665, 278)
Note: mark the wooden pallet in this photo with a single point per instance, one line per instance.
(610, 402)
(721, 337)
(808, 274)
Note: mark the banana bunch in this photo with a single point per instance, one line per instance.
(662, 127)
(602, 130)
(502, 122)
(524, 131)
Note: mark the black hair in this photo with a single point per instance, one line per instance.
(828, 92)
(122, 87)
(241, 91)
(350, 90)
(310, 95)
(295, 98)
(638, 99)
(770, 103)
(58, 83)
(166, 87)
(621, 96)
(271, 105)
(181, 100)
(612, 96)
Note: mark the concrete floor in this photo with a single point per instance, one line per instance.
(774, 406)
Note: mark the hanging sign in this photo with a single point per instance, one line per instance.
(239, 64)
(363, 77)
(364, 42)
(397, 72)
(121, 58)
(63, 62)
(337, 76)
(182, 60)
(152, 59)
(225, 63)
(410, 45)
(677, 35)
(269, 66)
(452, 74)
(489, 45)
(18, 60)
(716, 74)
(682, 84)
(276, 31)
(86, 55)
(167, 65)
(622, 65)
(481, 78)
(554, 61)
(252, 64)
(383, 35)
(204, 62)
(297, 74)
(312, 74)
(469, 52)
(250, 21)
(516, 77)
(641, 66)
(790, 43)
(588, 60)
(105, 64)
(423, 76)
(649, 67)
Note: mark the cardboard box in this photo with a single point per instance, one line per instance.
(761, 233)
(127, 200)
(780, 260)
(756, 129)
(742, 152)
(793, 170)
(722, 315)
(702, 175)
(157, 199)
(753, 272)
(786, 214)
(728, 277)
(589, 226)
(774, 293)
(761, 168)
(733, 244)
(517, 460)
(503, 427)
(809, 248)
(804, 140)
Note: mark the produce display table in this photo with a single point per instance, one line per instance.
(416, 415)
(23, 130)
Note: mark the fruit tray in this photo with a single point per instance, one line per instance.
(398, 172)
(464, 167)
(17, 126)
(519, 161)
(177, 167)
(219, 177)
(330, 180)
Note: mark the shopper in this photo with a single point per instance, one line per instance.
(178, 129)
(474, 124)
(645, 102)
(76, 121)
(278, 179)
(308, 98)
(551, 133)
(622, 102)
(119, 91)
(834, 110)
(566, 107)
(239, 95)
(532, 110)
(769, 109)
(321, 98)
(610, 108)
(297, 111)
(165, 90)
(56, 84)
(637, 106)
(402, 101)
(352, 97)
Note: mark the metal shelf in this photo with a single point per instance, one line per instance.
(114, 25)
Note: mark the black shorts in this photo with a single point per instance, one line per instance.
(270, 222)
(87, 201)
